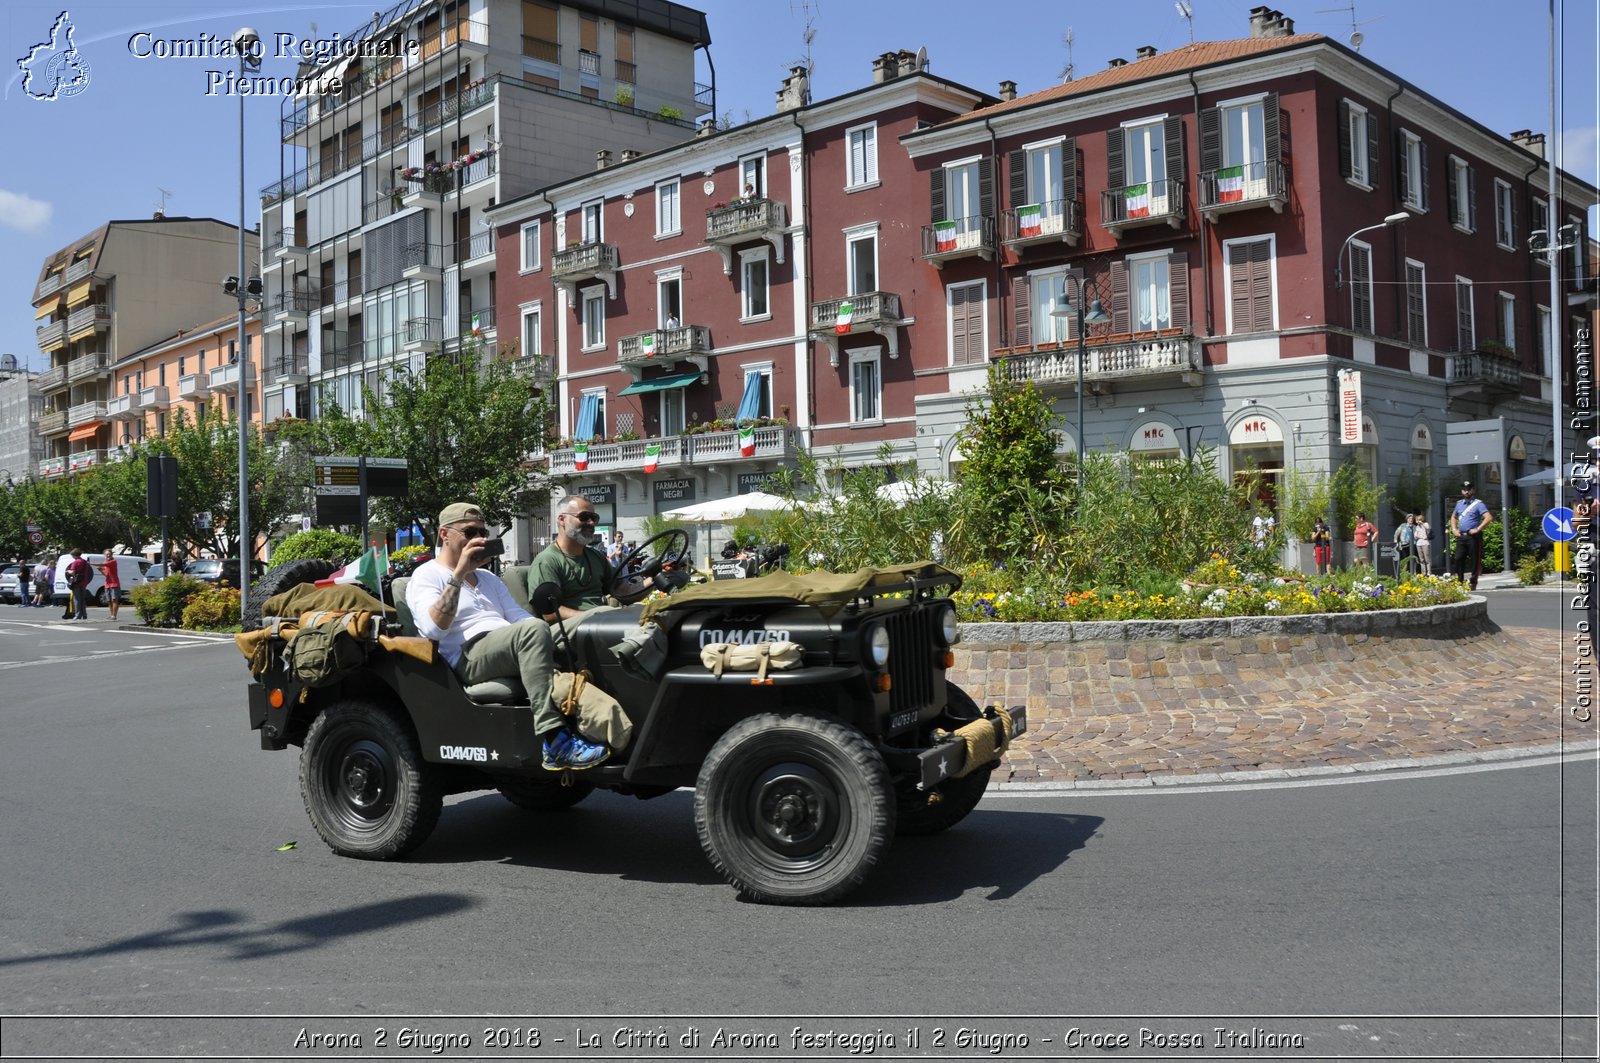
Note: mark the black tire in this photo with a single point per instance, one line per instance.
(536, 795)
(793, 809)
(277, 580)
(365, 785)
(100, 598)
(923, 812)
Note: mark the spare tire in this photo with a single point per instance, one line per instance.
(276, 581)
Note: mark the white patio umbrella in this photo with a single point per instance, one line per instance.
(903, 491)
(723, 510)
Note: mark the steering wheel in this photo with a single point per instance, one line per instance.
(625, 584)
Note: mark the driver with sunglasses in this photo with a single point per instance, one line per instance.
(582, 574)
(484, 634)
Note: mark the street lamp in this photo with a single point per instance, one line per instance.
(247, 42)
(1095, 315)
(1338, 263)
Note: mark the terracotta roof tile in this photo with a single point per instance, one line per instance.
(1189, 57)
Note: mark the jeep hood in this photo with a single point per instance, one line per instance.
(827, 592)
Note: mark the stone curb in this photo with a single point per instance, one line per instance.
(1369, 622)
(1507, 754)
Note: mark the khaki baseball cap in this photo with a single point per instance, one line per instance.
(456, 512)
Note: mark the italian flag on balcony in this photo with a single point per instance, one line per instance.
(365, 570)
(647, 344)
(747, 442)
(1230, 184)
(944, 235)
(1028, 220)
(847, 310)
(652, 457)
(477, 326)
(580, 456)
(1138, 200)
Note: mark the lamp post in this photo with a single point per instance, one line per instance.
(247, 42)
(1094, 315)
(1338, 264)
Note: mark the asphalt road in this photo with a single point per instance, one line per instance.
(1542, 607)
(142, 826)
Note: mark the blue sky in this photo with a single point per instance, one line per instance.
(139, 126)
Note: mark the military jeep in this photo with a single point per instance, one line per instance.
(801, 777)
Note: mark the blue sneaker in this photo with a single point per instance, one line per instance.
(570, 752)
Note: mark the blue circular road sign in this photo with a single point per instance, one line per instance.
(1558, 525)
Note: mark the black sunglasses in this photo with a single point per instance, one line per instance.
(471, 533)
(586, 515)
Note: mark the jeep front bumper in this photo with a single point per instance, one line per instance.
(950, 759)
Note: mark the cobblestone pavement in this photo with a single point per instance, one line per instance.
(1496, 691)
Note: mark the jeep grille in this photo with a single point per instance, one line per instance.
(911, 642)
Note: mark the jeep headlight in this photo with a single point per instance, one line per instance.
(949, 631)
(875, 645)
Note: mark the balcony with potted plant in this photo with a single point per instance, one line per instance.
(744, 221)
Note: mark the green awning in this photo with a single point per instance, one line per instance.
(661, 383)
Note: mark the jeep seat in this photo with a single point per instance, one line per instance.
(515, 577)
(506, 691)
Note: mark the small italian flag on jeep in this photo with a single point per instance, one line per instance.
(652, 457)
(580, 456)
(364, 570)
(847, 310)
(747, 442)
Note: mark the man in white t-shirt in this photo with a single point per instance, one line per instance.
(484, 634)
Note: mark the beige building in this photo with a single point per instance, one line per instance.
(107, 296)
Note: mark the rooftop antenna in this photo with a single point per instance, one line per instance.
(1357, 38)
(809, 10)
(1066, 72)
(165, 195)
(1187, 14)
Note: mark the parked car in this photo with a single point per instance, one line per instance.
(155, 572)
(9, 576)
(220, 570)
(130, 570)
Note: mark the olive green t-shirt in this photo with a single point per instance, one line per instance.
(582, 580)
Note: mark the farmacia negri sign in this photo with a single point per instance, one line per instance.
(309, 51)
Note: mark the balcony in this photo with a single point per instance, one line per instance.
(86, 319)
(594, 261)
(155, 398)
(1136, 206)
(224, 378)
(475, 173)
(773, 442)
(960, 238)
(79, 460)
(286, 243)
(52, 336)
(52, 422)
(1232, 188)
(421, 332)
(291, 371)
(1054, 221)
(476, 253)
(52, 282)
(421, 260)
(194, 386)
(340, 350)
(86, 413)
(292, 307)
(1483, 374)
(1175, 356)
(877, 312)
(52, 468)
(665, 347)
(88, 367)
(338, 293)
(121, 408)
(80, 269)
(743, 222)
(477, 323)
(51, 380)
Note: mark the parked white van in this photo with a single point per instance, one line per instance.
(130, 570)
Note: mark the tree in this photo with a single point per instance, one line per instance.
(466, 424)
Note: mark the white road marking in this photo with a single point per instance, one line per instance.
(100, 656)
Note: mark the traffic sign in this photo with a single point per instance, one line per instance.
(1558, 525)
(36, 538)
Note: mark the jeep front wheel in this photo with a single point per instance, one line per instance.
(931, 811)
(794, 809)
(365, 785)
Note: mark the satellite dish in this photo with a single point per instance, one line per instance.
(8, 363)
(1356, 39)
(922, 58)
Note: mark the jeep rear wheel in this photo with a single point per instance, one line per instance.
(931, 811)
(365, 785)
(536, 795)
(276, 581)
(793, 809)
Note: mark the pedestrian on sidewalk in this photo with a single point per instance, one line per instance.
(1424, 543)
(1405, 542)
(108, 569)
(44, 575)
(1366, 537)
(79, 575)
(1322, 546)
(1467, 522)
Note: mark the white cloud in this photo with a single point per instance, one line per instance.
(19, 211)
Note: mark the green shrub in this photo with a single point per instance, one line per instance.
(1532, 571)
(161, 604)
(318, 543)
(1523, 529)
(213, 607)
(670, 113)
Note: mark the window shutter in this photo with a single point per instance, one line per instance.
(1511, 219)
(1261, 285)
(1416, 326)
(958, 325)
(1452, 195)
(1361, 288)
(1422, 154)
(1021, 312)
(1210, 139)
(1269, 127)
(1463, 317)
(1019, 178)
(1472, 199)
(1114, 171)
(986, 187)
(1239, 286)
(973, 331)
(1372, 150)
(1173, 130)
(1069, 170)
(1178, 289)
(936, 193)
(1346, 167)
(1402, 163)
(1119, 296)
